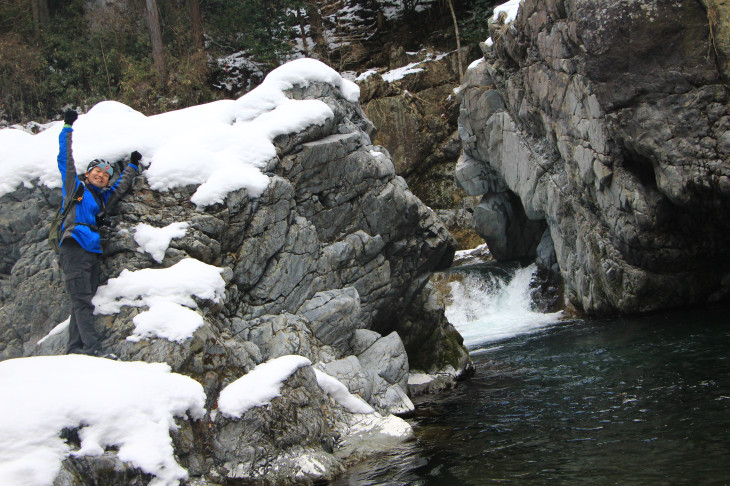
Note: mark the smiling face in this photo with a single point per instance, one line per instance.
(98, 177)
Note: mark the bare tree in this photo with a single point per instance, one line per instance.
(41, 16)
(458, 40)
(316, 28)
(196, 24)
(158, 49)
(302, 30)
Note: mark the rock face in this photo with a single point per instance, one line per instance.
(413, 107)
(606, 122)
(718, 16)
(331, 263)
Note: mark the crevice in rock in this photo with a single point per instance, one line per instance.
(640, 166)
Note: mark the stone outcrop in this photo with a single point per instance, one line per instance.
(608, 123)
(331, 263)
(416, 113)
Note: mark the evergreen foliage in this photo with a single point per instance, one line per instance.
(92, 50)
(474, 26)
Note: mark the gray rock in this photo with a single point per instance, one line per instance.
(294, 425)
(476, 177)
(387, 357)
(75, 471)
(447, 355)
(362, 339)
(579, 109)
(379, 372)
(333, 316)
(416, 119)
(335, 251)
(546, 253)
(500, 219)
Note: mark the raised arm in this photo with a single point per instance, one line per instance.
(125, 180)
(65, 153)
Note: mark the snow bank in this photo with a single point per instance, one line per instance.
(58, 329)
(510, 10)
(263, 383)
(339, 392)
(259, 386)
(168, 292)
(219, 146)
(155, 241)
(128, 405)
(402, 72)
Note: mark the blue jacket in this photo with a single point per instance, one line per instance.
(93, 200)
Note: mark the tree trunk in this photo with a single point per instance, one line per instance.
(41, 15)
(458, 41)
(316, 28)
(303, 32)
(196, 25)
(158, 50)
(199, 58)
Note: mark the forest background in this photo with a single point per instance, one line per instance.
(159, 55)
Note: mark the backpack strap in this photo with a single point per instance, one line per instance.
(76, 198)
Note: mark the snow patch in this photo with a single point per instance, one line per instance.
(402, 72)
(476, 63)
(510, 10)
(58, 329)
(155, 241)
(220, 146)
(164, 291)
(127, 405)
(259, 386)
(339, 392)
(376, 424)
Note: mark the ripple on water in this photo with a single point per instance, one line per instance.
(628, 400)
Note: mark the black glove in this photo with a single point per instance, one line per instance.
(103, 220)
(69, 117)
(136, 157)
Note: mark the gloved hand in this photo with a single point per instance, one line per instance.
(103, 220)
(69, 117)
(136, 157)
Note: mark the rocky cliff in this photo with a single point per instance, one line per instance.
(331, 262)
(413, 107)
(598, 134)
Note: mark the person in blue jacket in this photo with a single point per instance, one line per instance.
(80, 242)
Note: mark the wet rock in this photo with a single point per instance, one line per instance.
(607, 121)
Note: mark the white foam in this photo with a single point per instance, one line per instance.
(487, 309)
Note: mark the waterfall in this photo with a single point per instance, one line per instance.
(487, 308)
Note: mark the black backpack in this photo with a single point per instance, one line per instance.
(56, 229)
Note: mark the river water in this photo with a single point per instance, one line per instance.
(630, 400)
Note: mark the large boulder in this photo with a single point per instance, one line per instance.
(608, 122)
(329, 263)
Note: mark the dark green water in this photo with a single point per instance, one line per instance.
(619, 401)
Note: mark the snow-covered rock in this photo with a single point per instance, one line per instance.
(269, 226)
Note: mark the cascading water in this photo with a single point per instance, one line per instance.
(486, 308)
(619, 400)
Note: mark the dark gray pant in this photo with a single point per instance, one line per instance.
(81, 275)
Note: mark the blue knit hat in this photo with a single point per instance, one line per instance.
(102, 164)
